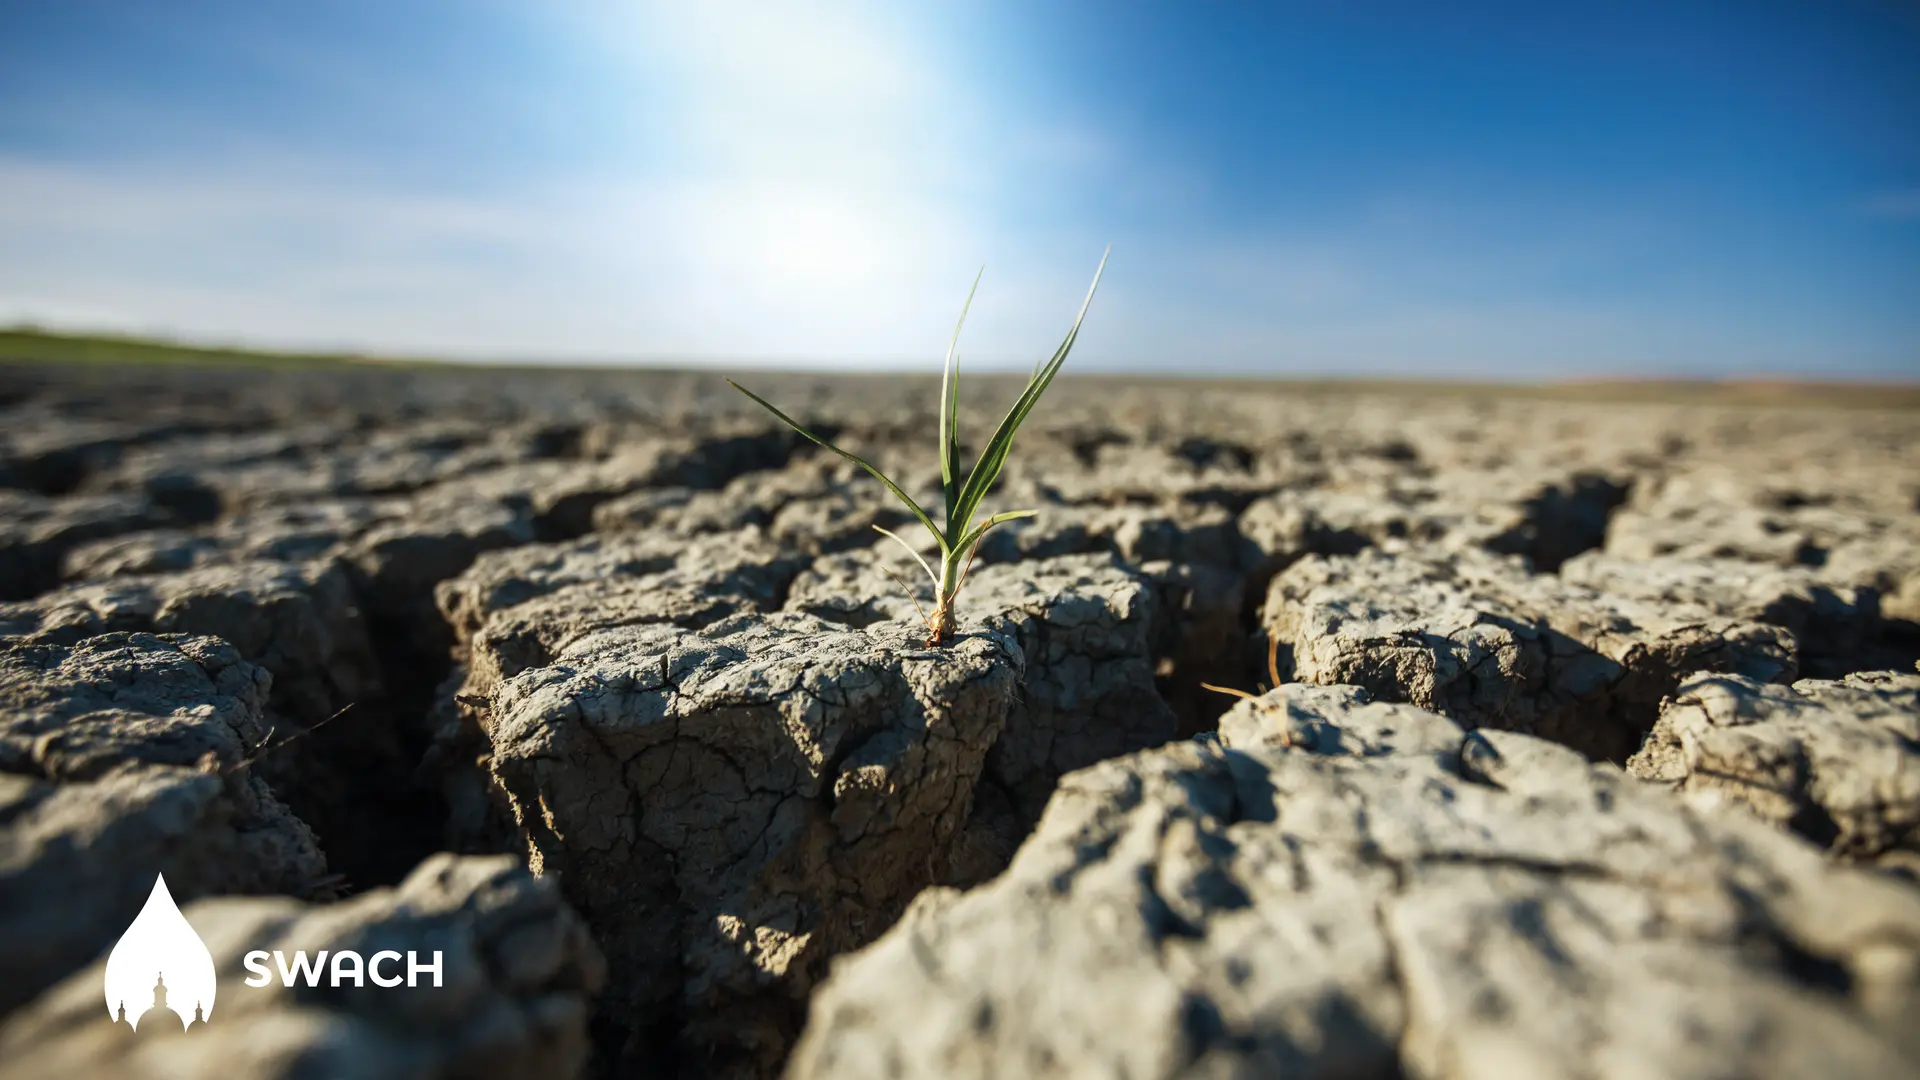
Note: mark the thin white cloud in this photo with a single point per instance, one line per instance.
(817, 183)
(626, 271)
(814, 184)
(584, 271)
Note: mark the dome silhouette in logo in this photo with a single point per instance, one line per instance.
(160, 963)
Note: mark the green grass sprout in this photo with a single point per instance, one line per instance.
(963, 495)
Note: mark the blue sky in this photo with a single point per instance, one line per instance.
(1515, 190)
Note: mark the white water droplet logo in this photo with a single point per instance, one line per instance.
(160, 963)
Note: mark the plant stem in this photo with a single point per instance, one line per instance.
(940, 628)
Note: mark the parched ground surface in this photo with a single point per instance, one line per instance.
(1597, 754)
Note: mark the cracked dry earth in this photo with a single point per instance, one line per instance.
(1596, 754)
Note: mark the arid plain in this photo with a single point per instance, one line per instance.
(1596, 751)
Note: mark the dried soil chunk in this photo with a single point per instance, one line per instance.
(1480, 639)
(296, 532)
(299, 622)
(562, 497)
(732, 807)
(42, 450)
(396, 549)
(1832, 622)
(1176, 532)
(1194, 470)
(1189, 554)
(815, 504)
(37, 532)
(718, 454)
(205, 476)
(1851, 519)
(1836, 761)
(518, 974)
(1086, 625)
(119, 759)
(1287, 526)
(1336, 720)
(555, 592)
(519, 609)
(1546, 514)
(1499, 908)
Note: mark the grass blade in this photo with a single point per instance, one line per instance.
(1009, 515)
(950, 408)
(994, 456)
(912, 599)
(917, 557)
(877, 474)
